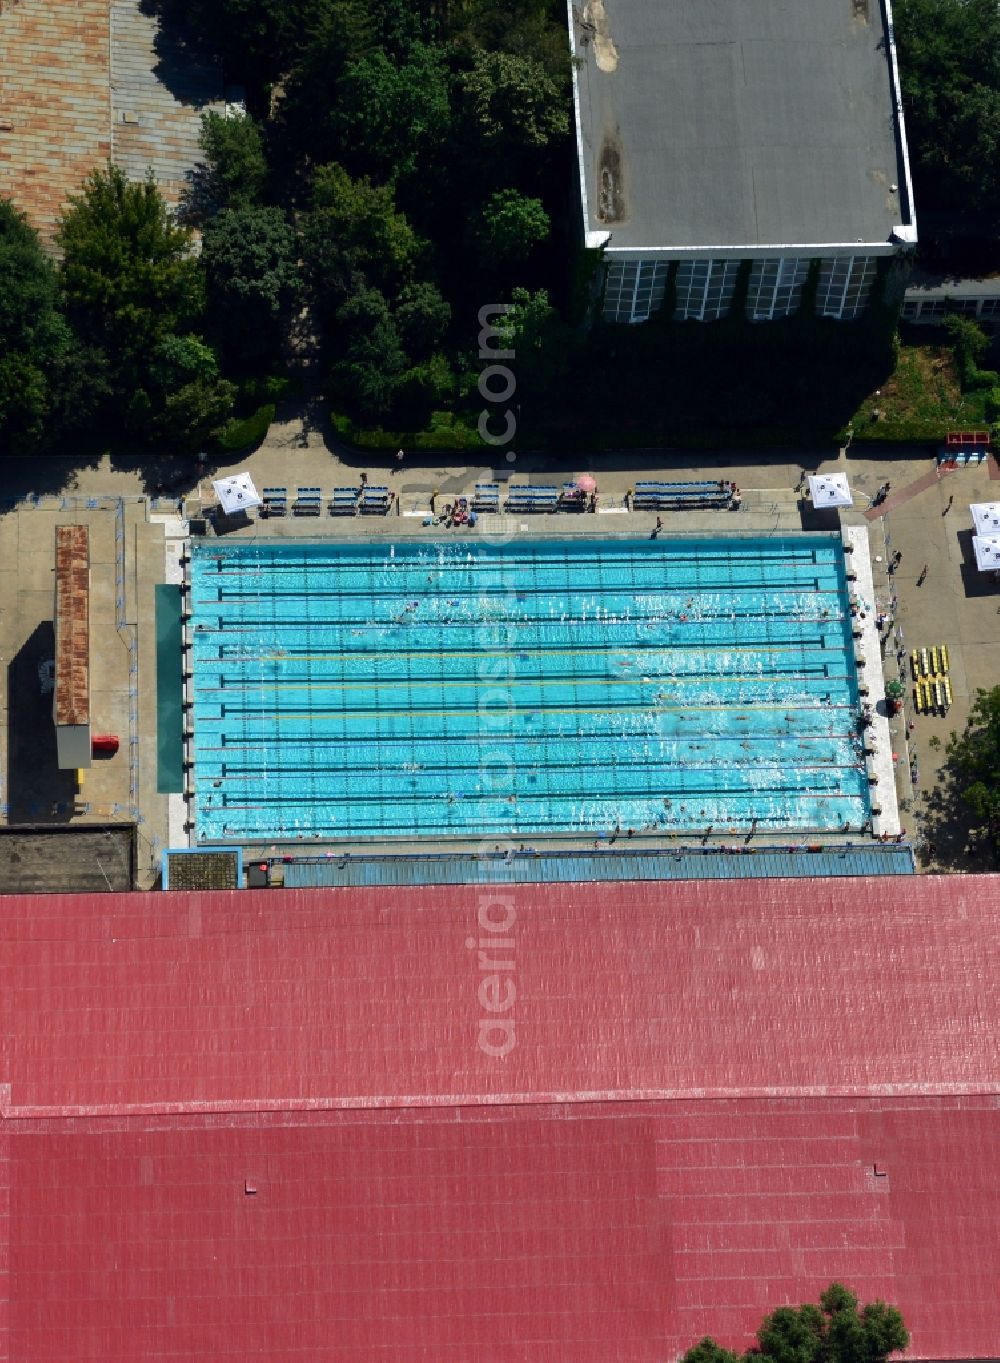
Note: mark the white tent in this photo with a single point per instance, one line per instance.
(987, 552)
(830, 489)
(987, 517)
(236, 493)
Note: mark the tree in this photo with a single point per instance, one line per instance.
(194, 413)
(970, 344)
(707, 1351)
(354, 236)
(514, 103)
(129, 275)
(833, 1332)
(369, 377)
(974, 757)
(35, 342)
(132, 284)
(392, 117)
(237, 165)
(508, 226)
(544, 345)
(423, 317)
(527, 28)
(950, 71)
(257, 39)
(250, 256)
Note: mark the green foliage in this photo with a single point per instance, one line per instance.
(250, 258)
(382, 129)
(133, 291)
(257, 38)
(373, 368)
(444, 433)
(25, 401)
(270, 388)
(949, 58)
(970, 343)
(974, 758)
(129, 276)
(991, 405)
(194, 413)
(910, 432)
(509, 225)
(354, 236)
(833, 1332)
(239, 435)
(393, 115)
(36, 346)
(423, 316)
(423, 388)
(707, 1351)
(237, 165)
(544, 346)
(177, 360)
(532, 28)
(513, 104)
(339, 33)
(29, 285)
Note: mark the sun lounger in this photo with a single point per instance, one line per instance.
(275, 501)
(308, 502)
(651, 496)
(374, 501)
(344, 501)
(925, 667)
(946, 685)
(944, 658)
(529, 498)
(935, 663)
(938, 697)
(915, 663)
(572, 498)
(486, 497)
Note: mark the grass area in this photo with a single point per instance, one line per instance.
(921, 400)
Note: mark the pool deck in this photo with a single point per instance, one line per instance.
(955, 605)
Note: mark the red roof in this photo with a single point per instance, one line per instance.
(393, 1221)
(348, 998)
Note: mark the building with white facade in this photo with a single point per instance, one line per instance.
(767, 131)
(930, 298)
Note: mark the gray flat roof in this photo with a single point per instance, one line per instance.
(738, 122)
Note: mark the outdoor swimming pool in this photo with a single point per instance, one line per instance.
(574, 687)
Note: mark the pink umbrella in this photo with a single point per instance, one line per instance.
(587, 482)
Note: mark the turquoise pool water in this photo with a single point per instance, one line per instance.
(563, 687)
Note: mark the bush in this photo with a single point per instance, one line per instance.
(445, 432)
(970, 343)
(272, 388)
(237, 435)
(898, 433)
(992, 406)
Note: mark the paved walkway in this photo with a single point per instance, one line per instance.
(906, 494)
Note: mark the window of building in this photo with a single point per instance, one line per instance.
(634, 289)
(844, 286)
(705, 288)
(990, 307)
(910, 310)
(775, 288)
